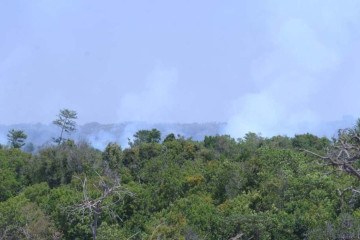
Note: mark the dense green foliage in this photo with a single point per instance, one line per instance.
(220, 188)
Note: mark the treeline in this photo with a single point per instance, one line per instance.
(169, 187)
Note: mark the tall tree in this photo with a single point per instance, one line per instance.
(16, 138)
(66, 122)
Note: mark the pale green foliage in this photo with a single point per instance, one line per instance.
(16, 138)
(22, 219)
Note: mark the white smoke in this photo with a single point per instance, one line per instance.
(295, 73)
(154, 102)
(3, 139)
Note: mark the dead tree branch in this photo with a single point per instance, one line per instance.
(344, 152)
(94, 206)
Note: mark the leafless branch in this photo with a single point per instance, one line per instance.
(93, 207)
(344, 152)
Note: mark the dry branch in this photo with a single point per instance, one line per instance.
(344, 152)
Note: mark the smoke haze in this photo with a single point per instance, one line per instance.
(302, 74)
(270, 67)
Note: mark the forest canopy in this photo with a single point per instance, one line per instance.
(170, 187)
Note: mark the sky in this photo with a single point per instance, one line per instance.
(267, 66)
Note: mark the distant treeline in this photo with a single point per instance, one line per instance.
(99, 135)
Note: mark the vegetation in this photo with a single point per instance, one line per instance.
(16, 138)
(66, 123)
(219, 188)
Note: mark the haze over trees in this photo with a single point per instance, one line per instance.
(99, 135)
(171, 187)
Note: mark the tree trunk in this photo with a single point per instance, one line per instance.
(94, 225)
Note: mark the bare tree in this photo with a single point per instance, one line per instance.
(108, 186)
(344, 153)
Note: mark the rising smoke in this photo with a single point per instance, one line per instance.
(299, 81)
(152, 102)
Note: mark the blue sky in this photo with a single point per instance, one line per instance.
(275, 67)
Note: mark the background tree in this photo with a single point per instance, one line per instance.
(170, 137)
(147, 136)
(112, 156)
(16, 138)
(66, 123)
(310, 142)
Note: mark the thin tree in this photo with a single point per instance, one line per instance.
(66, 122)
(16, 138)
